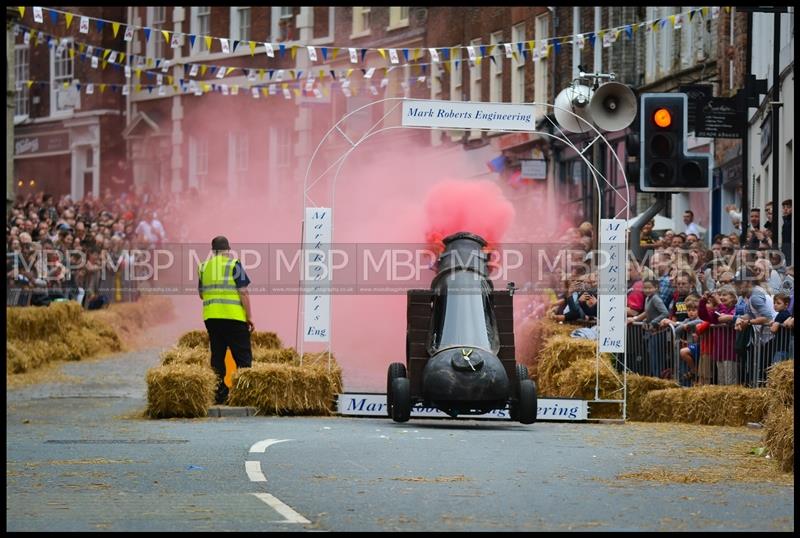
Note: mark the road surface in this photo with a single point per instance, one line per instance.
(79, 459)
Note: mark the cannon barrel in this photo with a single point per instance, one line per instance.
(464, 374)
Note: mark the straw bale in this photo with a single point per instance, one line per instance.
(780, 385)
(194, 339)
(35, 322)
(638, 387)
(180, 390)
(779, 436)
(267, 354)
(265, 339)
(557, 355)
(186, 355)
(284, 389)
(716, 405)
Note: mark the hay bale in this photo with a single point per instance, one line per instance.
(779, 436)
(708, 404)
(557, 355)
(284, 355)
(780, 385)
(284, 389)
(194, 339)
(180, 390)
(265, 339)
(638, 387)
(30, 323)
(186, 355)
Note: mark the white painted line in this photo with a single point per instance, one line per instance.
(283, 509)
(262, 446)
(253, 469)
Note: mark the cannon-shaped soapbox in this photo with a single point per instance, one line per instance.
(460, 343)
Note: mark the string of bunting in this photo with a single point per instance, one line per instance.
(607, 37)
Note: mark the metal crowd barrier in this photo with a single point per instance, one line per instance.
(653, 351)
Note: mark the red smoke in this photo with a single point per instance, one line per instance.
(478, 207)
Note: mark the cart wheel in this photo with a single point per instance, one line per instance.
(522, 372)
(396, 369)
(513, 408)
(526, 413)
(401, 406)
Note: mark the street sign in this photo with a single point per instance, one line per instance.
(698, 95)
(533, 169)
(720, 117)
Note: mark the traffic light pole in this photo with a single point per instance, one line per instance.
(745, 141)
(775, 130)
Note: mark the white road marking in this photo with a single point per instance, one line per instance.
(283, 509)
(253, 469)
(262, 446)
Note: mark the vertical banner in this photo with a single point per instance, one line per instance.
(316, 274)
(612, 286)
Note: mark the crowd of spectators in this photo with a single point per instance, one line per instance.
(65, 249)
(723, 301)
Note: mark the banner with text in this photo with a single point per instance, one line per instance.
(367, 404)
(316, 254)
(612, 296)
(468, 115)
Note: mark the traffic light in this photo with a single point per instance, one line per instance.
(632, 152)
(665, 164)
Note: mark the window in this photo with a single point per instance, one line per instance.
(283, 24)
(240, 23)
(475, 73)
(540, 66)
(201, 26)
(21, 75)
(242, 152)
(360, 20)
(62, 68)
(158, 18)
(398, 17)
(198, 161)
(496, 69)
(518, 66)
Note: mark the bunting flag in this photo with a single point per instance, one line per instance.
(293, 51)
(114, 28)
(54, 17)
(192, 37)
(252, 48)
(21, 12)
(324, 54)
(363, 54)
(147, 35)
(207, 39)
(67, 18)
(100, 25)
(235, 44)
(282, 48)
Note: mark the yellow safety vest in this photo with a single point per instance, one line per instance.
(220, 297)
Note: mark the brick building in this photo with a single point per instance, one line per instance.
(66, 140)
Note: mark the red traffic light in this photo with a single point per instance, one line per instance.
(662, 117)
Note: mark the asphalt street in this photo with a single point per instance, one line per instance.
(80, 459)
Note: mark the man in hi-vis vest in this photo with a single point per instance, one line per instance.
(222, 284)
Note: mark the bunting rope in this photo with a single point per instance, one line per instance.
(607, 35)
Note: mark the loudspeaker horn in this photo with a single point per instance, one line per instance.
(613, 106)
(575, 99)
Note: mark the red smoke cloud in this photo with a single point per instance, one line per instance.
(478, 207)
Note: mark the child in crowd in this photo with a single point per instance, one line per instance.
(690, 350)
(781, 301)
(654, 312)
(722, 335)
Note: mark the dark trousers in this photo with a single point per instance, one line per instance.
(224, 334)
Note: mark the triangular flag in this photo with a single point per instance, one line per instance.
(102, 88)
(166, 36)
(67, 18)
(203, 69)
(415, 55)
(54, 17)
(363, 53)
(81, 47)
(335, 53)
(282, 48)
(106, 53)
(29, 83)
(208, 40)
(324, 54)
(405, 54)
(672, 20)
(192, 37)
(333, 74)
(446, 53)
(21, 12)
(691, 14)
(115, 28)
(704, 11)
(147, 35)
(492, 58)
(557, 47)
(252, 48)
(294, 51)
(270, 73)
(235, 44)
(100, 25)
(629, 32)
(382, 53)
